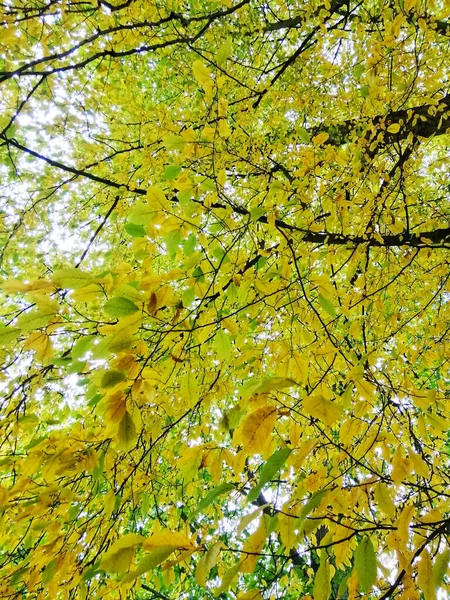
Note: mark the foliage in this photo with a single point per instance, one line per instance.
(224, 333)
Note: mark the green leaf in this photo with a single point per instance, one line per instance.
(8, 334)
(171, 172)
(364, 91)
(256, 213)
(111, 378)
(189, 245)
(82, 345)
(312, 504)
(224, 52)
(269, 470)
(358, 70)
(327, 305)
(120, 307)
(209, 498)
(135, 230)
(71, 279)
(303, 135)
(48, 572)
(188, 297)
(366, 564)
(172, 240)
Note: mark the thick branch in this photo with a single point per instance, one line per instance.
(416, 120)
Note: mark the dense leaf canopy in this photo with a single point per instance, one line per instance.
(225, 331)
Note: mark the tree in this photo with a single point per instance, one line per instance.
(225, 284)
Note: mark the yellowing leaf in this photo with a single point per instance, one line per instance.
(71, 278)
(120, 307)
(171, 142)
(126, 540)
(35, 319)
(148, 562)
(127, 433)
(223, 345)
(366, 564)
(112, 378)
(323, 409)
(247, 519)
(228, 578)
(322, 580)
(206, 563)
(119, 562)
(115, 406)
(440, 567)
(40, 342)
(201, 73)
(119, 555)
(365, 388)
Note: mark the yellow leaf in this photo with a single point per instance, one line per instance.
(402, 523)
(384, 500)
(394, 128)
(40, 342)
(366, 389)
(401, 467)
(425, 577)
(419, 465)
(11, 286)
(253, 546)
(254, 432)
(125, 541)
(156, 199)
(175, 539)
(250, 595)
(287, 524)
(320, 138)
(323, 409)
(224, 130)
(4, 495)
(115, 407)
(118, 562)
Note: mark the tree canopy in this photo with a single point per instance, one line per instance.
(225, 284)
